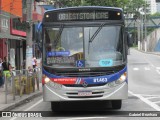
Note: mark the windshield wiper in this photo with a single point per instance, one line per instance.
(94, 35)
(58, 36)
(96, 32)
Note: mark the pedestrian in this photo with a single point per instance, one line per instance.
(1, 73)
(7, 68)
(34, 62)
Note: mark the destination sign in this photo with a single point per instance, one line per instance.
(59, 60)
(82, 15)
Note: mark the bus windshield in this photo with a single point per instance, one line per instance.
(72, 47)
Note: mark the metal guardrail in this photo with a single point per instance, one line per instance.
(22, 82)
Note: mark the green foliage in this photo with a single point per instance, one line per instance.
(111, 3)
(133, 6)
(129, 6)
(156, 15)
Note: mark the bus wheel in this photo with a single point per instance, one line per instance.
(116, 104)
(55, 106)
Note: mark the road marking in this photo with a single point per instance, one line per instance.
(147, 68)
(135, 69)
(81, 118)
(153, 97)
(149, 95)
(153, 105)
(156, 102)
(158, 68)
(34, 105)
(158, 71)
(29, 108)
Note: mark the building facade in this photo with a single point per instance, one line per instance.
(13, 29)
(10, 39)
(158, 5)
(152, 6)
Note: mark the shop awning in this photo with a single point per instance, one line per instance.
(2, 35)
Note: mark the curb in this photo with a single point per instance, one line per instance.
(153, 53)
(20, 102)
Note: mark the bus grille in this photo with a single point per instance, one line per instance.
(84, 74)
(94, 72)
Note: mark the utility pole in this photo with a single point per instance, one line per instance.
(29, 50)
(139, 34)
(145, 28)
(142, 23)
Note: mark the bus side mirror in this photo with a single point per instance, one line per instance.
(39, 36)
(129, 40)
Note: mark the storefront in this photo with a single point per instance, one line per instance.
(10, 45)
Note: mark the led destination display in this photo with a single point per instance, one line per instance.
(82, 15)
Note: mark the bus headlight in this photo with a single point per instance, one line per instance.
(122, 78)
(46, 80)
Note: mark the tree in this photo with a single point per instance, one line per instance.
(111, 3)
(133, 7)
(129, 6)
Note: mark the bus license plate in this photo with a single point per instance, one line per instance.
(84, 93)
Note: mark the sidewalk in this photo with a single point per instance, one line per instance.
(11, 104)
(153, 53)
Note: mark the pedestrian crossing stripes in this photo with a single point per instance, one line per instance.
(147, 101)
(146, 69)
(135, 69)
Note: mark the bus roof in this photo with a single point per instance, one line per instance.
(85, 7)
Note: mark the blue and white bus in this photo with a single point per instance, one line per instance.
(84, 55)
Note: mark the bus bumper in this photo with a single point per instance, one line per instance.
(119, 92)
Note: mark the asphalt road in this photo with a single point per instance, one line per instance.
(144, 95)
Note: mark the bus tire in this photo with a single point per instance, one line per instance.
(116, 104)
(55, 106)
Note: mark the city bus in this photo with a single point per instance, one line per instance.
(84, 55)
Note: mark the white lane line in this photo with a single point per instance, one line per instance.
(34, 105)
(135, 69)
(158, 68)
(144, 95)
(81, 118)
(29, 108)
(153, 105)
(156, 102)
(153, 97)
(158, 71)
(147, 68)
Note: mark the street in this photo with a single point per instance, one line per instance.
(143, 94)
